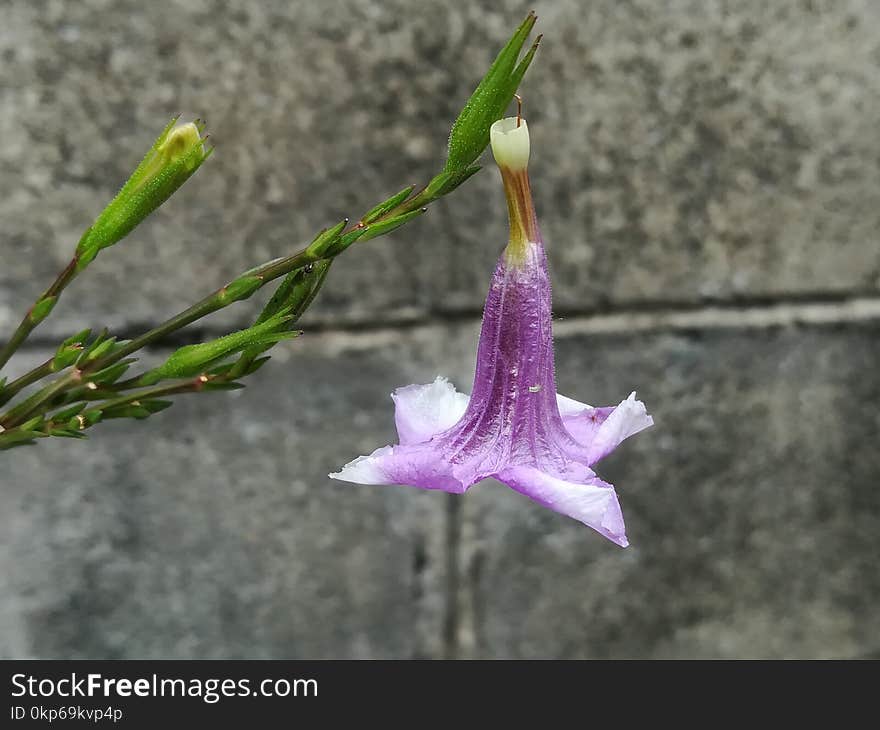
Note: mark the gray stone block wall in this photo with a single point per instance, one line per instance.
(707, 179)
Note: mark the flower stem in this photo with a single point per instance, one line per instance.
(210, 304)
(29, 323)
(32, 405)
(192, 385)
(32, 376)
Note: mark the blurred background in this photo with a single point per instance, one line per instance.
(707, 176)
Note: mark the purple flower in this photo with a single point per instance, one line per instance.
(514, 427)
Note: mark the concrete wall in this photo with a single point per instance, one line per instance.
(708, 180)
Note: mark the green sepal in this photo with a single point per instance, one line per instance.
(387, 205)
(68, 413)
(470, 132)
(111, 374)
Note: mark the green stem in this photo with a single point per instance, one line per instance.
(27, 324)
(193, 385)
(210, 304)
(269, 271)
(32, 376)
(24, 410)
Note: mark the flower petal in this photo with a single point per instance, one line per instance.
(411, 465)
(594, 503)
(627, 419)
(580, 420)
(422, 411)
(365, 469)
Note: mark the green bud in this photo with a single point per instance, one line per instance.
(174, 157)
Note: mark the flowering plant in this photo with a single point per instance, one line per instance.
(92, 376)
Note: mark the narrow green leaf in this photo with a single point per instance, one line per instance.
(194, 359)
(240, 289)
(346, 240)
(326, 239)
(70, 433)
(111, 374)
(223, 386)
(68, 413)
(387, 205)
(78, 339)
(87, 350)
(32, 424)
(99, 350)
(155, 405)
(383, 227)
(18, 437)
(41, 310)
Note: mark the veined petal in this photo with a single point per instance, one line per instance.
(627, 419)
(593, 503)
(413, 465)
(580, 420)
(422, 411)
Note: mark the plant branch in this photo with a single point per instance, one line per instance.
(39, 311)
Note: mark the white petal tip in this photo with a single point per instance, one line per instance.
(363, 470)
